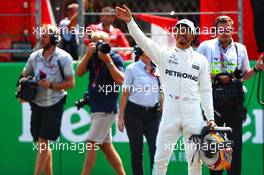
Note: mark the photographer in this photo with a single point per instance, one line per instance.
(53, 73)
(229, 68)
(106, 69)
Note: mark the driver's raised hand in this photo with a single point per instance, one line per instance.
(123, 13)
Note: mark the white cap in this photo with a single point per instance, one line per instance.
(188, 23)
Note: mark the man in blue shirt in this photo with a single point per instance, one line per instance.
(106, 73)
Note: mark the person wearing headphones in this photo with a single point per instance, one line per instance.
(52, 69)
(229, 65)
(140, 108)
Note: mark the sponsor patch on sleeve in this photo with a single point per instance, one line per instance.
(195, 67)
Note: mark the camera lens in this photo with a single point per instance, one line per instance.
(103, 47)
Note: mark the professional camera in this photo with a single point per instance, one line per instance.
(85, 101)
(238, 74)
(27, 89)
(103, 47)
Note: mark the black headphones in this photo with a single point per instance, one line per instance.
(54, 35)
(138, 52)
(54, 38)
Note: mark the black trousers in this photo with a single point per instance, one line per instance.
(233, 117)
(46, 121)
(140, 121)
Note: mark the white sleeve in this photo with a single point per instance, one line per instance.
(67, 66)
(146, 44)
(203, 50)
(29, 69)
(245, 66)
(205, 90)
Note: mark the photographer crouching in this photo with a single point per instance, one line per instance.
(106, 69)
(51, 72)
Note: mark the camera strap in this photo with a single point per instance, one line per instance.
(97, 70)
(63, 77)
(61, 70)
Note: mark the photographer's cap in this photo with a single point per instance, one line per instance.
(187, 23)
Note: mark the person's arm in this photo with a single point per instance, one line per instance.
(123, 103)
(251, 72)
(67, 71)
(82, 65)
(205, 90)
(128, 82)
(28, 69)
(73, 21)
(116, 74)
(146, 44)
(248, 74)
(69, 83)
(161, 100)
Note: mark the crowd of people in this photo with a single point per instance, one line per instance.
(70, 41)
(184, 81)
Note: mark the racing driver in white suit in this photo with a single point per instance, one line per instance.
(186, 82)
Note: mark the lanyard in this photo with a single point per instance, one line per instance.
(97, 73)
(222, 59)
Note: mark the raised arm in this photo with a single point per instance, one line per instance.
(146, 44)
(82, 65)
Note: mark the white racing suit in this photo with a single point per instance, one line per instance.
(185, 79)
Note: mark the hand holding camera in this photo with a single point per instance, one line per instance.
(42, 80)
(103, 50)
(91, 48)
(27, 89)
(104, 57)
(44, 83)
